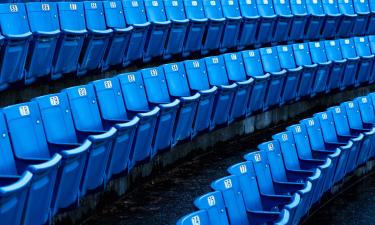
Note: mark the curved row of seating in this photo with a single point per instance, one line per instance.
(60, 147)
(52, 39)
(280, 182)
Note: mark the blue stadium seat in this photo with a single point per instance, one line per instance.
(175, 12)
(217, 76)
(114, 114)
(30, 142)
(236, 74)
(349, 53)
(97, 39)
(233, 25)
(178, 87)
(215, 27)
(15, 169)
(250, 23)
(261, 207)
(312, 157)
(294, 72)
(285, 22)
(318, 56)
(157, 36)
(371, 39)
(44, 24)
(348, 20)
(316, 19)
(268, 21)
(119, 42)
(371, 22)
(336, 74)
(70, 44)
(357, 125)
(15, 41)
(213, 204)
(158, 95)
(135, 16)
(271, 64)
(336, 152)
(254, 69)
(303, 58)
(332, 19)
(367, 111)
(88, 125)
(365, 72)
(136, 103)
(197, 27)
(300, 19)
(282, 172)
(199, 83)
(271, 187)
(362, 9)
(199, 217)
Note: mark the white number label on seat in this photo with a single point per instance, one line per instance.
(364, 100)
(211, 200)
(24, 110)
(194, 3)
(174, 67)
(324, 116)
(298, 129)
(93, 5)
(196, 64)
(195, 220)
(82, 91)
(243, 169)
(270, 147)
(45, 7)
(228, 183)
(135, 3)
(131, 78)
(73, 6)
(13, 8)
(155, 3)
(311, 122)
(174, 3)
(153, 72)
(269, 50)
(108, 84)
(54, 100)
(112, 5)
(284, 137)
(213, 3)
(215, 60)
(233, 56)
(257, 157)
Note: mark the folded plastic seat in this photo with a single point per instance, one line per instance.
(135, 99)
(213, 203)
(339, 64)
(287, 26)
(268, 23)
(114, 114)
(316, 20)
(366, 108)
(233, 25)
(332, 20)
(363, 19)
(366, 72)
(352, 65)
(198, 217)
(319, 57)
(349, 18)
(250, 23)
(300, 19)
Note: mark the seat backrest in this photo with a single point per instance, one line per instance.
(262, 171)
(176, 79)
(253, 63)
(94, 14)
(340, 120)
(314, 7)
(155, 10)
(265, 7)
(235, 66)
(245, 174)
(174, 9)
(196, 218)
(7, 161)
(346, 7)
(42, 16)
(347, 48)
(213, 9)
(9, 13)
(282, 7)
(216, 71)
(114, 14)
(298, 7)
(275, 159)
(135, 12)
(286, 56)
(155, 85)
(248, 8)
(371, 39)
(110, 100)
(330, 7)
(362, 46)
(302, 54)
(367, 109)
(353, 113)
(301, 140)
(318, 52)
(213, 204)
(288, 149)
(71, 16)
(361, 6)
(270, 59)
(197, 74)
(333, 50)
(194, 9)
(84, 106)
(133, 91)
(315, 133)
(57, 118)
(232, 195)
(26, 130)
(231, 8)
(327, 126)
